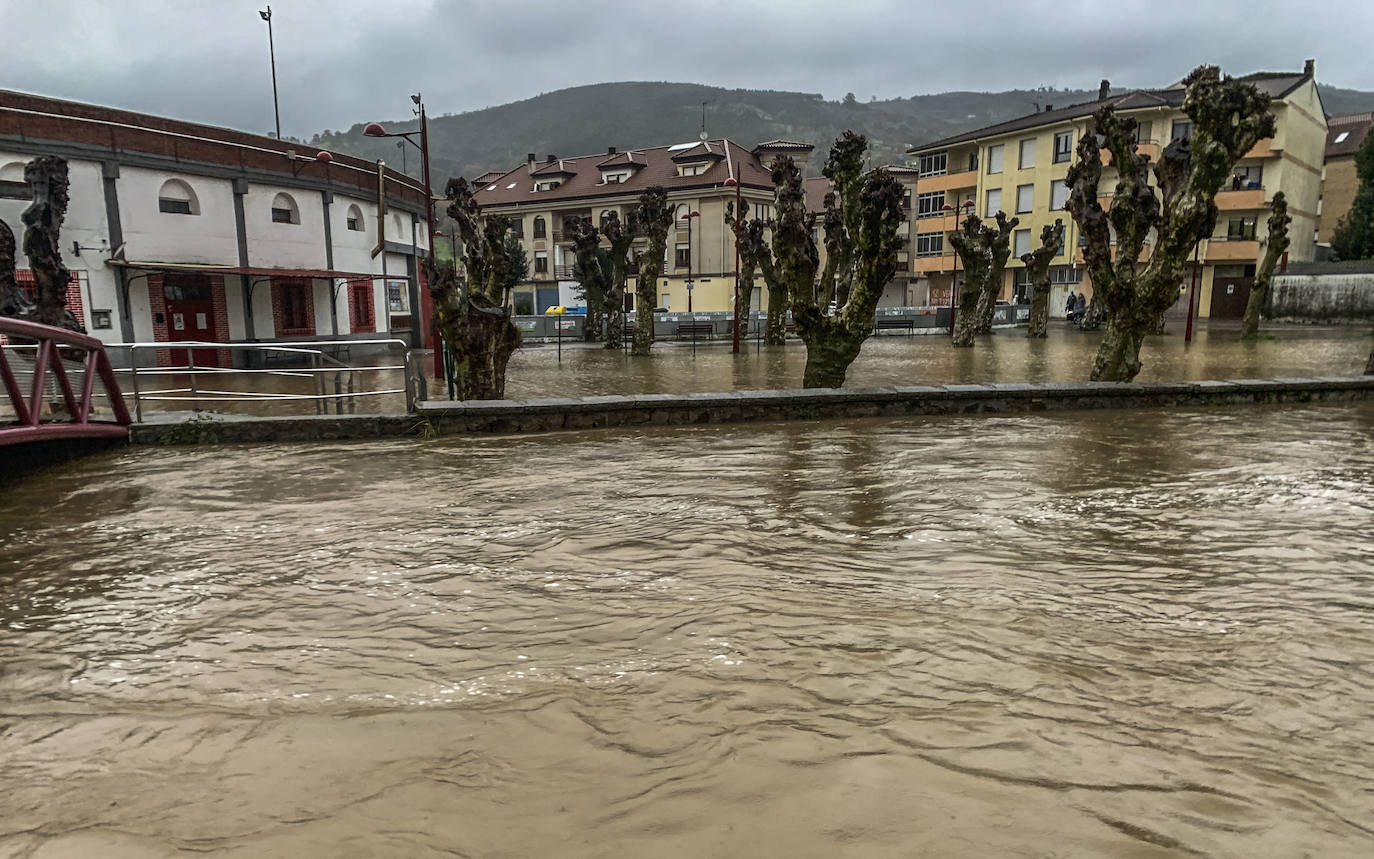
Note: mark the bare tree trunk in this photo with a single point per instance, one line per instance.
(592, 331)
(776, 332)
(652, 219)
(1229, 116)
(1278, 245)
(615, 328)
(828, 360)
(1038, 265)
(983, 248)
(966, 320)
(1369, 368)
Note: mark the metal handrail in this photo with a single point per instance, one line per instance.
(29, 424)
(321, 366)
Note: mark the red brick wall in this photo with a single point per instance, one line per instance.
(362, 307)
(278, 313)
(219, 309)
(24, 278)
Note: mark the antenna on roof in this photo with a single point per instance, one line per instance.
(703, 135)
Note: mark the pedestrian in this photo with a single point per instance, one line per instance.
(1068, 305)
(1080, 304)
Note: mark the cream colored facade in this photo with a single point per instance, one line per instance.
(1019, 167)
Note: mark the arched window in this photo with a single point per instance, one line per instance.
(355, 218)
(284, 210)
(540, 228)
(607, 215)
(12, 184)
(396, 233)
(176, 198)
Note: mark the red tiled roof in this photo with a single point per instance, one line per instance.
(1344, 134)
(702, 150)
(774, 145)
(516, 186)
(815, 190)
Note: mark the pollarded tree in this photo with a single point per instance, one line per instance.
(1277, 247)
(1038, 268)
(1354, 235)
(1229, 117)
(592, 270)
(621, 238)
(651, 218)
(474, 318)
(983, 249)
(754, 259)
(862, 215)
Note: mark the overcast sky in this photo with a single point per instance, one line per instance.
(346, 61)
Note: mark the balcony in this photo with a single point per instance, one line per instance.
(563, 272)
(936, 224)
(1223, 249)
(933, 263)
(1251, 197)
(948, 182)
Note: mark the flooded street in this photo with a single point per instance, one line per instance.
(1127, 634)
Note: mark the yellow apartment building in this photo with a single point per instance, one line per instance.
(1344, 136)
(1019, 167)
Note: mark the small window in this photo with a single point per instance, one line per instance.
(1027, 160)
(683, 256)
(930, 204)
(1182, 128)
(930, 244)
(933, 165)
(177, 198)
(293, 306)
(1063, 147)
(12, 184)
(541, 263)
(995, 159)
(994, 202)
(1340, 138)
(284, 210)
(1059, 194)
(1144, 131)
(540, 228)
(517, 227)
(1025, 198)
(355, 219)
(1022, 242)
(1240, 229)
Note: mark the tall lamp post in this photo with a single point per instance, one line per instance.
(691, 213)
(954, 278)
(732, 181)
(272, 52)
(374, 129)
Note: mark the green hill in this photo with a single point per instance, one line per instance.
(587, 119)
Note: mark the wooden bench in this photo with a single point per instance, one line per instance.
(694, 329)
(885, 324)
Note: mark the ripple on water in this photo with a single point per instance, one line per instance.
(1091, 634)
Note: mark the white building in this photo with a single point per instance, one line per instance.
(179, 231)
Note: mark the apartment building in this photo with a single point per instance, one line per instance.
(182, 231)
(1344, 136)
(1019, 167)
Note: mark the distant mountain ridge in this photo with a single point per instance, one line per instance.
(585, 120)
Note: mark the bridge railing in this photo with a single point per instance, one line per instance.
(278, 378)
(37, 363)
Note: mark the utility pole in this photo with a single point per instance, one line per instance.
(272, 51)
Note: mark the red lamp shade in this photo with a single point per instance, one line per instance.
(323, 157)
(373, 129)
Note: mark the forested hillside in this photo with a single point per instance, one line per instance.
(588, 119)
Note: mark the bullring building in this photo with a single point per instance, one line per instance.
(180, 231)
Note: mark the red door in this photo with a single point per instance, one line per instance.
(190, 316)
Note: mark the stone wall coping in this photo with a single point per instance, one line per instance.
(574, 413)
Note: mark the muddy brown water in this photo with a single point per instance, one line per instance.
(1136, 634)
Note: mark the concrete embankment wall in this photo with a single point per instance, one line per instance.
(551, 415)
(1322, 296)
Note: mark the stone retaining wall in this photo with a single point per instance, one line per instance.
(550, 415)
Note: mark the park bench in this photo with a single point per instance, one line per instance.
(696, 329)
(885, 324)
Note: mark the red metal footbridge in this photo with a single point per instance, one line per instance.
(38, 365)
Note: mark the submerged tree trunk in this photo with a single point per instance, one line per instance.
(775, 334)
(1278, 245)
(983, 248)
(1038, 265)
(592, 330)
(828, 360)
(652, 218)
(615, 329)
(1229, 116)
(473, 318)
(1369, 368)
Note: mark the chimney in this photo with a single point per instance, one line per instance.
(610, 150)
(529, 162)
(1104, 89)
(1309, 68)
(551, 159)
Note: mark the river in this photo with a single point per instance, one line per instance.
(1127, 634)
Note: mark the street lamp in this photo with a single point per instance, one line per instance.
(272, 52)
(954, 278)
(374, 129)
(732, 182)
(691, 213)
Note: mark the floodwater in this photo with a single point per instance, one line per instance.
(1134, 634)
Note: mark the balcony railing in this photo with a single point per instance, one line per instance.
(563, 272)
